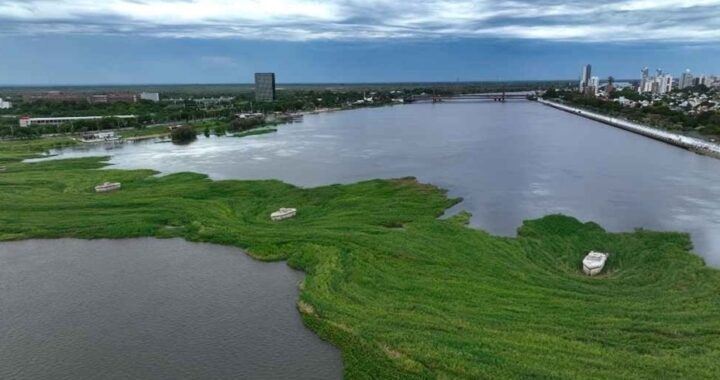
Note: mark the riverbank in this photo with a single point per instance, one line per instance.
(685, 142)
(255, 131)
(402, 293)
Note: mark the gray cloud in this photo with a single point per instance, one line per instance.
(300, 20)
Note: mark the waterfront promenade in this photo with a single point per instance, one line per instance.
(686, 142)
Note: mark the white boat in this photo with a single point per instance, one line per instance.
(99, 137)
(2, 168)
(283, 213)
(594, 263)
(107, 186)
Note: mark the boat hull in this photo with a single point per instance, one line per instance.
(594, 263)
(104, 188)
(283, 213)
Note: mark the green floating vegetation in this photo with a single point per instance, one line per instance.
(16, 150)
(255, 131)
(404, 294)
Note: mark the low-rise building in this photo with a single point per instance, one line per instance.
(151, 96)
(113, 97)
(54, 96)
(5, 104)
(249, 115)
(27, 121)
(60, 96)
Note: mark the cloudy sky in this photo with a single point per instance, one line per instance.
(203, 41)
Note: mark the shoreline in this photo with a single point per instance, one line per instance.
(464, 287)
(689, 143)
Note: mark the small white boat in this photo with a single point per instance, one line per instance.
(594, 263)
(107, 186)
(99, 137)
(283, 213)
(2, 169)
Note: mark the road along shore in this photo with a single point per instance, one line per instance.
(686, 142)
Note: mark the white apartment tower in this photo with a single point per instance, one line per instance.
(664, 84)
(644, 79)
(659, 84)
(594, 85)
(686, 79)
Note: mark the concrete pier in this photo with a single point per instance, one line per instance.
(686, 142)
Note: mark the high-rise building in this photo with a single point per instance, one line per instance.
(702, 79)
(585, 78)
(686, 80)
(644, 78)
(658, 85)
(646, 85)
(664, 84)
(593, 85)
(265, 87)
(711, 81)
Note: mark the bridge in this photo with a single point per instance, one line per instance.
(496, 97)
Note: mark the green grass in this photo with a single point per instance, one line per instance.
(158, 130)
(162, 130)
(13, 151)
(255, 131)
(402, 293)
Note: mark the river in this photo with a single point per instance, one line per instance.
(152, 309)
(509, 161)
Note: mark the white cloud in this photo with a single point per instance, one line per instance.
(578, 20)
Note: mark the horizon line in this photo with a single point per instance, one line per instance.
(280, 84)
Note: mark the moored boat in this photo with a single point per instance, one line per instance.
(283, 213)
(107, 186)
(594, 263)
(99, 137)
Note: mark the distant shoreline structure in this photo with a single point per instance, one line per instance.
(686, 142)
(279, 84)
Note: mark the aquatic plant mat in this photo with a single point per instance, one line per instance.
(402, 293)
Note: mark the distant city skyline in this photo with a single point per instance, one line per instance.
(67, 42)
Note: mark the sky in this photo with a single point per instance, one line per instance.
(55, 42)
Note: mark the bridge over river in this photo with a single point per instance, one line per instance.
(496, 97)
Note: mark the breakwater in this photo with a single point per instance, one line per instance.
(686, 142)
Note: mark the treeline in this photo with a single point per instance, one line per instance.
(223, 126)
(147, 111)
(79, 126)
(657, 114)
(188, 110)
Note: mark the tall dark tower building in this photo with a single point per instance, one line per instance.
(585, 76)
(264, 87)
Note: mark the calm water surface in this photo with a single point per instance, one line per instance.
(152, 309)
(509, 162)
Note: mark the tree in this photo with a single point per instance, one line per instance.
(551, 93)
(245, 124)
(183, 135)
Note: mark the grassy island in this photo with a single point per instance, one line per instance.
(402, 293)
